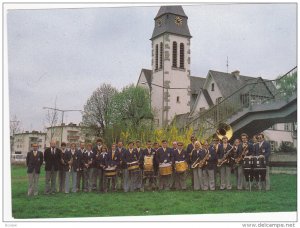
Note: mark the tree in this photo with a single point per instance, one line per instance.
(287, 85)
(96, 109)
(51, 119)
(130, 110)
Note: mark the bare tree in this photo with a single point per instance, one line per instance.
(15, 125)
(51, 119)
(96, 110)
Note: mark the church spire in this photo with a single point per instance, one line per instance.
(171, 19)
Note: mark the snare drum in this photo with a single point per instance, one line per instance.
(165, 169)
(148, 163)
(248, 162)
(133, 166)
(181, 166)
(259, 162)
(110, 171)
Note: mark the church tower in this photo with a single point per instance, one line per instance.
(170, 64)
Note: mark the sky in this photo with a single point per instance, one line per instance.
(63, 55)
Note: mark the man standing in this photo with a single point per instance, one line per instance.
(96, 149)
(263, 148)
(87, 161)
(61, 168)
(189, 150)
(52, 158)
(122, 169)
(113, 160)
(209, 169)
(246, 149)
(225, 152)
(139, 152)
(164, 157)
(180, 155)
(71, 172)
(80, 174)
(131, 155)
(34, 161)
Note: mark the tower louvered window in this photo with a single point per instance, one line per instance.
(181, 62)
(156, 56)
(174, 60)
(161, 56)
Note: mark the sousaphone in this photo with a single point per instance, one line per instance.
(224, 130)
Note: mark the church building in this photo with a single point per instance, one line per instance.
(175, 93)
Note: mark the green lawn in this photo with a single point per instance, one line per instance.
(281, 198)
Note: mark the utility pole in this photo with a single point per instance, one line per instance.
(62, 116)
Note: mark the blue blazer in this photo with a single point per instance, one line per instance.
(34, 163)
(265, 150)
(164, 155)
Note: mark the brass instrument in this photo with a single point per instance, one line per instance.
(201, 163)
(242, 155)
(71, 162)
(224, 130)
(226, 157)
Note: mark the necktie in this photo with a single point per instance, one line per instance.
(34, 153)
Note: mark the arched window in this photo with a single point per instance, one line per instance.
(161, 56)
(156, 56)
(174, 60)
(181, 62)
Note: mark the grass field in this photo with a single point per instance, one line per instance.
(282, 198)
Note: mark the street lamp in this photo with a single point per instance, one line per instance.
(62, 117)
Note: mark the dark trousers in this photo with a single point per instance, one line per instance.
(109, 183)
(80, 179)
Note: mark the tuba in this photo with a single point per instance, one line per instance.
(224, 130)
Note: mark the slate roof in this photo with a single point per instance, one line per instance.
(148, 75)
(196, 84)
(228, 83)
(168, 14)
(178, 10)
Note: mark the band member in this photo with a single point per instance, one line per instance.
(61, 168)
(197, 155)
(180, 155)
(122, 168)
(113, 161)
(224, 152)
(148, 171)
(51, 158)
(80, 174)
(155, 164)
(215, 145)
(34, 161)
(164, 157)
(246, 149)
(72, 159)
(87, 159)
(263, 148)
(189, 150)
(237, 150)
(96, 149)
(101, 164)
(130, 156)
(174, 149)
(209, 169)
(139, 151)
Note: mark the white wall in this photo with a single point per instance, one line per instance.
(213, 94)
(200, 103)
(22, 142)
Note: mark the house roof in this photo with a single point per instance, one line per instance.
(196, 84)
(228, 83)
(148, 76)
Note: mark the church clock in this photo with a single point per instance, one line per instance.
(178, 20)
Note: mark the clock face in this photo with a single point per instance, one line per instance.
(178, 20)
(159, 22)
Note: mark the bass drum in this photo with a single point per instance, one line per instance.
(148, 163)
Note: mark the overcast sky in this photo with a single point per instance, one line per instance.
(65, 54)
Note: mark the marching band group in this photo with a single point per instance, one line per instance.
(157, 166)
